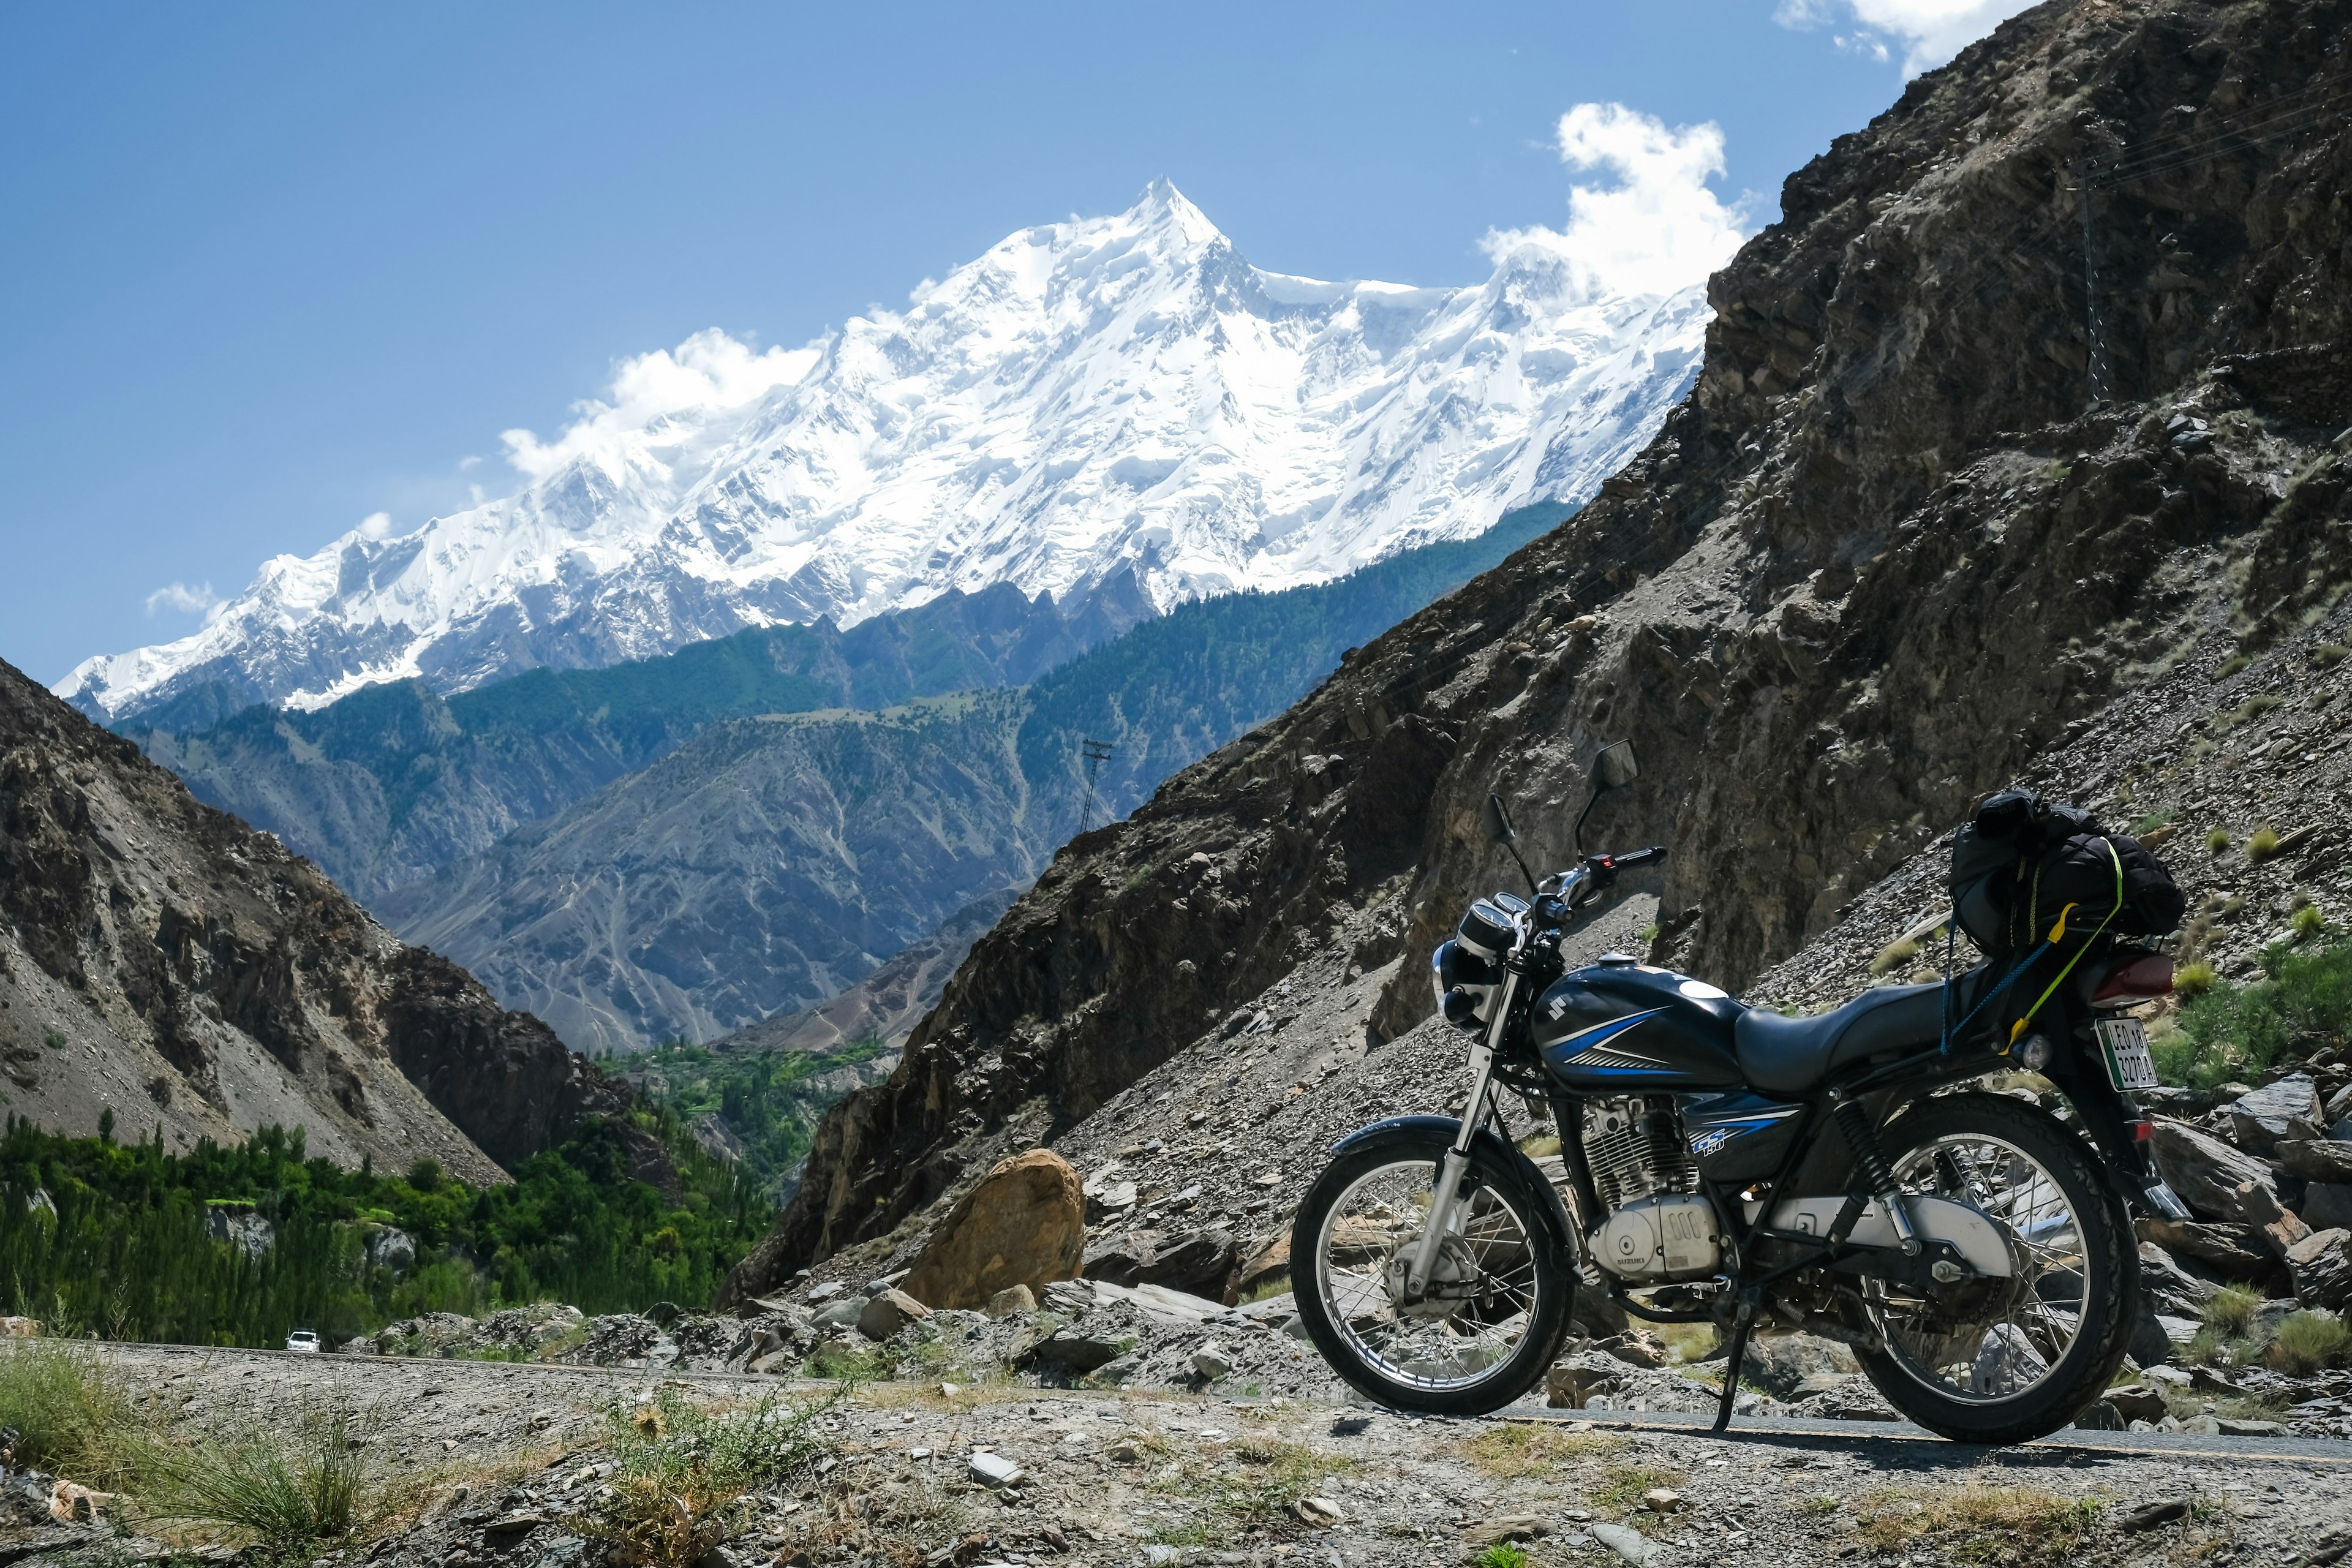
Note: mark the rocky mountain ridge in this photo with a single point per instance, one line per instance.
(1929, 509)
(1121, 412)
(166, 969)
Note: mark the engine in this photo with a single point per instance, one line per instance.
(1659, 1225)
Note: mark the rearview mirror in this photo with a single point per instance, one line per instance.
(1616, 766)
(1498, 821)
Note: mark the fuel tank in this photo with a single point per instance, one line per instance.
(1617, 1027)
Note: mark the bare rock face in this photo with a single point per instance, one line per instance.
(1024, 1223)
(1930, 512)
(2277, 1110)
(163, 962)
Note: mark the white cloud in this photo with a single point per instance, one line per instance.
(182, 598)
(708, 371)
(1659, 227)
(1929, 32)
(376, 525)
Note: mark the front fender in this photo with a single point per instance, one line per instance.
(1418, 1132)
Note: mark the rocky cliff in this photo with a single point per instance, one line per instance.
(165, 968)
(2031, 398)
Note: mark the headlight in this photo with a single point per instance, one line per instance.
(1486, 931)
(1463, 983)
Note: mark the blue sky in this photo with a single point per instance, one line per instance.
(270, 269)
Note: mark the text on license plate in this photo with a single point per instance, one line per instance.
(2124, 1045)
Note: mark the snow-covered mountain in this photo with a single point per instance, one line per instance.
(1118, 407)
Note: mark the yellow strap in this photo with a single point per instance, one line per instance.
(2060, 929)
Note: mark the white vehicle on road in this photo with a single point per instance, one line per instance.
(303, 1340)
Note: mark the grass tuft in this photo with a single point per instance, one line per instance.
(1894, 956)
(67, 1416)
(2262, 845)
(1502, 1555)
(1623, 1485)
(2307, 1341)
(2307, 922)
(2217, 840)
(291, 1487)
(2231, 1313)
(2328, 654)
(1980, 1524)
(683, 1470)
(1520, 1450)
(2194, 979)
(2230, 665)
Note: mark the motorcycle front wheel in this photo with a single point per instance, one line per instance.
(1496, 1305)
(2007, 1361)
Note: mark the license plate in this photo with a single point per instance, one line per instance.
(2123, 1043)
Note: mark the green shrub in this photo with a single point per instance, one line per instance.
(2231, 1313)
(2303, 1004)
(2193, 979)
(2144, 825)
(2232, 666)
(2307, 921)
(2217, 840)
(2262, 845)
(2307, 1341)
(2328, 654)
(1502, 1555)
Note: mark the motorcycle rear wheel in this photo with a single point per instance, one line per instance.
(2024, 1368)
(1507, 1290)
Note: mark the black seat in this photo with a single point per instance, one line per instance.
(1789, 1055)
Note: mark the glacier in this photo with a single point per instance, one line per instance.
(1118, 409)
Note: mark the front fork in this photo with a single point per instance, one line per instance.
(1445, 1203)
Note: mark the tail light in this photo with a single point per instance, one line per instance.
(2143, 979)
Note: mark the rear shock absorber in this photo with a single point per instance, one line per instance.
(1861, 1138)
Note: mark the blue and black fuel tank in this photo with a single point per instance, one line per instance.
(1618, 1026)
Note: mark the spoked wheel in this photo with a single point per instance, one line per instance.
(2003, 1361)
(1495, 1308)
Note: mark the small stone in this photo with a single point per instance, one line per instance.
(2231, 1426)
(1663, 1499)
(1210, 1364)
(2099, 1415)
(2148, 1515)
(825, 1292)
(1125, 1452)
(1631, 1544)
(994, 1470)
(2138, 1402)
(1512, 1527)
(1319, 1511)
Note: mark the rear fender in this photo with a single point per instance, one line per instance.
(1417, 1132)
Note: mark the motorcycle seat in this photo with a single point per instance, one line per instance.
(1789, 1056)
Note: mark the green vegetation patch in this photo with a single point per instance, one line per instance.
(767, 1100)
(133, 1250)
(2303, 1004)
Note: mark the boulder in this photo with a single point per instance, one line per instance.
(2233, 1251)
(1011, 1300)
(1267, 1259)
(1198, 1262)
(2138, 1402)
(2317, 1159)
(2214, 1179)
(2321, 1266)
(2260, 1120)
(1121, 1259)
(2328, 1206)
(1574, 1381)
(2172, 1287)
(1025, 1223)
(842, 1313)
(1078, 1350)
(1778, 1365)
(2099, 1415)
(887, 1312)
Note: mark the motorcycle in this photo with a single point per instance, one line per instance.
(1722, 1163)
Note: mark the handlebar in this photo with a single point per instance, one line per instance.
(1635, 857)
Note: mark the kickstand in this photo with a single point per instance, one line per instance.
(1734, 1357)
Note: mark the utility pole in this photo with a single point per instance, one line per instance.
(2093, 349)
(1095, 752)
